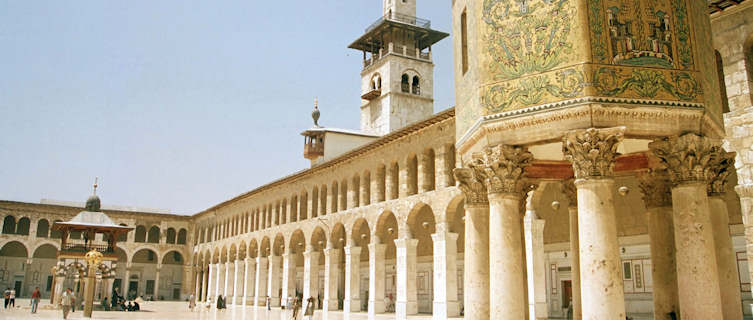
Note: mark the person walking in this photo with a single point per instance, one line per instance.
(67, 301)
(191, 302)
(6, 297)
(35, 297)
(296, 308)
(269, 303)
(310, 308)
(13, 298)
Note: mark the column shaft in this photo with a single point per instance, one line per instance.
(227, 290)
(600, 265)
(407, 295)
(273, 287)
(310, 274)
(261, 281)
(288, 276)
(376, 278)
(352, 301)
(445, 275)
(476, 258)
(507, 276)
(575, 262)
(534, 241)
(331, 260)
(197, 286)
(237, 288)
(726, 259)
(248, 284)
(663, 267)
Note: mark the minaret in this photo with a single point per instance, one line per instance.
(398, 72)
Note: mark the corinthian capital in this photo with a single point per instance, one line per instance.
(501, 168)
(688, 158)
(592, 151)
(656, 188)
(472, 187)
(723, 167)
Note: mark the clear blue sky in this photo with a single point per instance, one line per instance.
(177, 104)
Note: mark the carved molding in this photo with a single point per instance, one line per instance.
(501, 168)
(724, 166)
(471, 186)
(744, 191)
(592, 151)
(656, 188)
(689, 158)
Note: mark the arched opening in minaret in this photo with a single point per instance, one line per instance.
(405, 83)
(416, 85)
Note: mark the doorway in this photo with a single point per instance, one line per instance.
(567, 293)
(18, 287)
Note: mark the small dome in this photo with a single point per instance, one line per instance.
(92, 204)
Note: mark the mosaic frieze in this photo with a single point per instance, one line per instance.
(526, 36)
(641, 33)
(647, 84)
(534, 90)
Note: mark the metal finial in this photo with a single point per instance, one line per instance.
(95, 184)
(315, 114)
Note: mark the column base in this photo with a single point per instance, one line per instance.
(376, 307)
(444, 310)
(274, 302)
(405, 308)
(353, 305)
(330, 305)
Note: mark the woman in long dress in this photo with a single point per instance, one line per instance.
(310, 308)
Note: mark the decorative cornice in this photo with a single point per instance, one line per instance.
(592, 151)
(501, 168)
(689, 158)
(656, 188)
(471, 186)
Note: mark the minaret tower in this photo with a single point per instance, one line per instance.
(398, 72)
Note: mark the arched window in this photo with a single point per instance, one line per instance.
(722, 85)
(23, 226)
(182, 236)
(405, 84)
(416, 86)
(123, 237)
(56, 234)
(170, 235)
(140, 235)
(9, 225)
(43, 228)
(153, 236)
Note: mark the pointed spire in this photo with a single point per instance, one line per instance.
(315, 114)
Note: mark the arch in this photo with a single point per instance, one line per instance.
(294, 208)
(318, 239)
(145, 255)
(334, 200)
(361, 237)
(284, 211)
(376, 81)
(253, 248)
(428, 170)
(43, 228)
(9, 225)
(242, 250)
(343, 198)
(322, 201)
(56, 234)
(315, 202)
(232, 254)
(264, 249)
(297, 242)
(278, 247)
(338, 237)
(122, 256)
(22, 227)
(182, 234)
(216, 256)
(416, 85)
(140, 234)
(394, 181)
(45, 251)
(405, 83)
(381, 183)
(153, 235)
(171, 235)
(412, 174)
(173, 257)
(303, 207)
(123, 237)
(14, 249)
(365, 183)
(422, 224)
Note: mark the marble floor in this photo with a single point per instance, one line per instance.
(178, 311)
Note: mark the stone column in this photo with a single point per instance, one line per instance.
(331, 259)
(376, 276)
(217, 277)
(310, 273)
(261, 281)
(657, 196)
(534, 241)
(476, 252)
(248, 283)
(273, 287)
(352, 301)
(238, 292)
(726, 258)
(691, 161)
(156, 282)
(592, 153)
(745, 192)
(501, 169)
(568, 188)
(288, 276)
(197, 285)
(445, 273)
(226, 280)
(406, 302)
(205, 282)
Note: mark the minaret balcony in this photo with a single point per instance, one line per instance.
(397, 50)
(371, 95)
(311, 151)
(401, 18)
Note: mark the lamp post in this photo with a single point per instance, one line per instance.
(93, 259)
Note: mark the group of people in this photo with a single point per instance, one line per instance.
(293, 304)
(9, 297)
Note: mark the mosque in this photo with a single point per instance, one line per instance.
(598, 164)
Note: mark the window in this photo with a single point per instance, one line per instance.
(43, 228)
(416, 87)
(404, 85)
(464, 41)
(9, 225)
